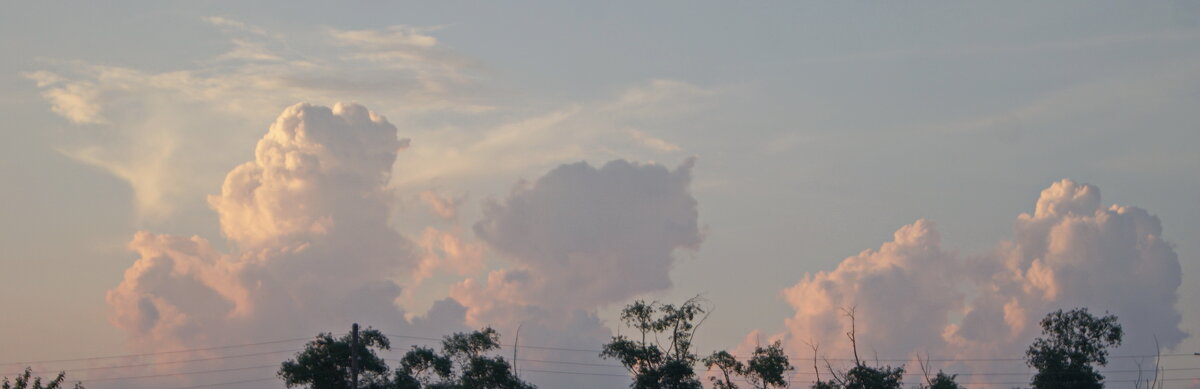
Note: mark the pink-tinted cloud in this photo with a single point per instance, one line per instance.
(913, 296)
(308, 219)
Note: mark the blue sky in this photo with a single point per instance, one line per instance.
(817, 130)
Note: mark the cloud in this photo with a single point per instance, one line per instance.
(601, 129)
(585, 237)
(651, 142)
(912, 271)
(389, 38)
(313, 251)
(442, 206)
(1074, 252)
(191, 116)
(334, 162)
(911, 296)
(78, 102)
(579, 238)
(448, 250)
(186, 123)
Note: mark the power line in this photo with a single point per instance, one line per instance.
(505, 345)
(154, 353)
(176, 374)
(225, 383)
(159, 363)
(575, 373)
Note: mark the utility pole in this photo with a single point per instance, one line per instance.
(354, 356)
(516, 345)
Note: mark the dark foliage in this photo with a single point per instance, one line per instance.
(767, 368)
(465, 354)
(655, 365)
(1073, 342)
(26, 380)
(325, 362)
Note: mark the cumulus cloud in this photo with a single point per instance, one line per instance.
(911, 296)
(584, 237)
(580, 238)
(1074, 252)
(313, 249)
(448, 250)
(334, 162)
(912, 271)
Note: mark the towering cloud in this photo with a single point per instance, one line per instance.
(313, 249)
(901, 295)
(585, 237)
(1074, 252)
(580, 238)
(911, 295)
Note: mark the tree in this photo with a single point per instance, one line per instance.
(766, 368)
(325, 362)
(944, 381)
(465, 353)
(26, 380)
(1072, 343)
(860, 376)
(940, 381)
(655, 365)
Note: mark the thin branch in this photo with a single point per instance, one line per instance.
(849, 312)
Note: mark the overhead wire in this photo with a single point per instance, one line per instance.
(178, 374)
(158, 363)
(225, 383)
(153, 353)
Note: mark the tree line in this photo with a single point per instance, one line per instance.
(661, 355)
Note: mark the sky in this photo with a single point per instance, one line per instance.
(196, 175)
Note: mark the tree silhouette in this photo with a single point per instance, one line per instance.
(465, 353)
(656, 365)
(766, 368)
(860, 376)
(943, 381)
(26, 380)
(1072, 343)
(463, 363)
(325, 362)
